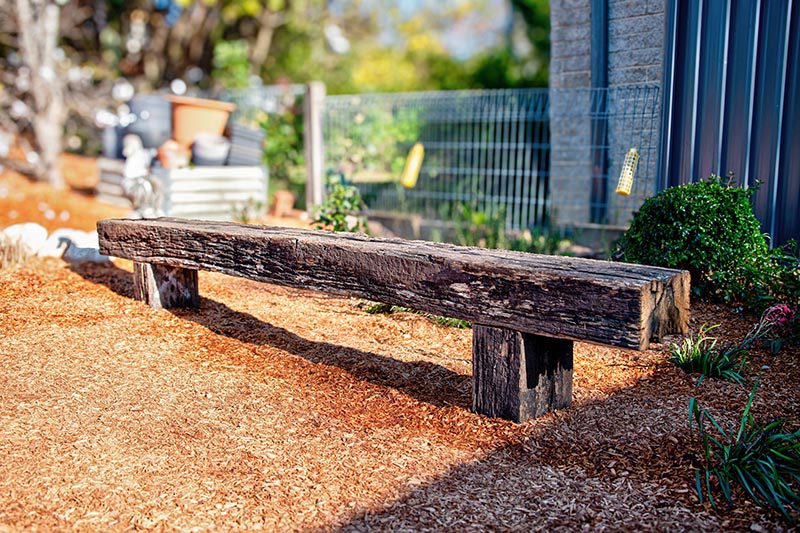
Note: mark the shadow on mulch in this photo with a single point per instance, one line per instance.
(598, 464)
(411, 378)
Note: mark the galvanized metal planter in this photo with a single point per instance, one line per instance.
(207, 193)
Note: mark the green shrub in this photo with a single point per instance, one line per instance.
(342, 208)
(763, 460)
(707, 228)
(231, 64)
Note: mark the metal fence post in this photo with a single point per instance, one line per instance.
(312, 137)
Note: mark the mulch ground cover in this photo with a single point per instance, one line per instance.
(290, 410)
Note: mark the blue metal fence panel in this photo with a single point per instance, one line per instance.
(731, 76)
(788, 197)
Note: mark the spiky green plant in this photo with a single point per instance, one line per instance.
(700, 355)
(762, 460)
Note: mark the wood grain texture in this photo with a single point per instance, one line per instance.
(163, 286)
(518, 376)
(609, 303)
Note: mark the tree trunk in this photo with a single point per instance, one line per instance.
(268, 23)
(38, 35)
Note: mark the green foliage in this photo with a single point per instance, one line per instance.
(762, 460)
(700, 355)
(342, 208)
(386, 309)
(373, 144)
(476, 227)
(283, 150)
(231, 64)
(487, 229)
(709, 229)
(540, 241)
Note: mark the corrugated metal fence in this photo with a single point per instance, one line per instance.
(732, 94)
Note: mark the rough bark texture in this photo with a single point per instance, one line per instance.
(162, 286)
(598, 301)
(518, 376)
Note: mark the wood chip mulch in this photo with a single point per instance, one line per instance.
(280, 409)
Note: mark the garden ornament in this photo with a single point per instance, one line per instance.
(142, 189)
(625, 184)
(413, 165)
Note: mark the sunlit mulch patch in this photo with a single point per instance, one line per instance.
(292, 410)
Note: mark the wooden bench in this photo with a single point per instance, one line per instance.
(526, 309)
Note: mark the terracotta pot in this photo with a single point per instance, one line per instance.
(284, 203)
(193, 116)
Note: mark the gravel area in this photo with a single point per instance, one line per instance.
(281, 409)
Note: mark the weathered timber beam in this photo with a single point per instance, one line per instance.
(518, 376)
(609, 303)
(163, 286)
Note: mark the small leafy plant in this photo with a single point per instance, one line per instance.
(248, 211)
(540, 241)
(762, 460)
(478, 227)
(700, 355)
(342, 208)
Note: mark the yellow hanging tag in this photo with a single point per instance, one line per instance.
(625, 184)
(412, 166)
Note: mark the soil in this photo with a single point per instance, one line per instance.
(281, 409)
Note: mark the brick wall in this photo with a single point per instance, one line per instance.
(571, 42)
(635, 41)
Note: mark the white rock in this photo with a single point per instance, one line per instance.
(31, 235)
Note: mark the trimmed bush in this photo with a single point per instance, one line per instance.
(707, 228)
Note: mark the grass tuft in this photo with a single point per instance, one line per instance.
(700, 355)
(762, 460)
(386, 309)
(12, 252)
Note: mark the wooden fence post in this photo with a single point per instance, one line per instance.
(314, 149)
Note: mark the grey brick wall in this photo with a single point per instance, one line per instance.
(635, 41)
(571, 43)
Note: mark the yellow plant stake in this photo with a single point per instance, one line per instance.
(412, 166)
(625, 184)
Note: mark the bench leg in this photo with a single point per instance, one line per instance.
(519, 376)
(162, 286)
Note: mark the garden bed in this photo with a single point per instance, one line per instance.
(286, 409)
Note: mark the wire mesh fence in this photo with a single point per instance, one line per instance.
(533, 157)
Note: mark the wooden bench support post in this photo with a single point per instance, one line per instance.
(519, 376)
(163, 286)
